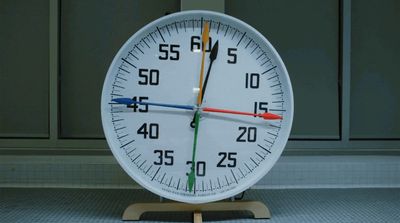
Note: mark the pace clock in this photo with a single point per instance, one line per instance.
(197, 106)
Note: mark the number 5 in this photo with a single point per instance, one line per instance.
(232, 53)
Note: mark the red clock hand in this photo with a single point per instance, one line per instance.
(266, 115)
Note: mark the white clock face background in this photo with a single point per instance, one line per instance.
(161, 63)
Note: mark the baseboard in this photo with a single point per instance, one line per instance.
(289, 172)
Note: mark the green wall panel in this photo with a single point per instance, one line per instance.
(375, 70)
(91, 33)
(24, 69)
(306, 35)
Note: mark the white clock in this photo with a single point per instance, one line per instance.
(197, 106)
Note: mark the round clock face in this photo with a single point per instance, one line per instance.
(197, 106)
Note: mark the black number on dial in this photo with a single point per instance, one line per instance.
(230, 157)
(135, 106)
(168, 51)
(260, 106)
(149, 77)
(252, 80)
(233, 55)
(196, 43)
(200, 168)
(164, 157)
(150, 130)
(248, 134)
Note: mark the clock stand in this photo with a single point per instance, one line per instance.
(257, 208)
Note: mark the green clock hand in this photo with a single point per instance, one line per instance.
(192, 177)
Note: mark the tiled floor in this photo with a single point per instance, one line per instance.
(106, 205)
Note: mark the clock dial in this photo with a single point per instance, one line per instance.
(197, 106)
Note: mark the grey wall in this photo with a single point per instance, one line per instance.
(375, 79)
(50, 93)
(24, 73)
(91, 35)
(306, 35)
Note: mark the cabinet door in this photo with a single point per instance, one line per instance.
(24, 69)
(306, 35)
(375, 69)
(91, 34)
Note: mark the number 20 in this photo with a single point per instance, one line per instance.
(248, 134)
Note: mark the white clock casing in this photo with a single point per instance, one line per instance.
(154, 144)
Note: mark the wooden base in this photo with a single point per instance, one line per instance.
(134, 211)
(197, 218)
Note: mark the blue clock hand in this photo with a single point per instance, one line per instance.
(128, 101)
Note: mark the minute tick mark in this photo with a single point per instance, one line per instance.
(248, 167)
(234, 177)
(133, 161)
(127, 143)
(176, 27)
(177, 186)
(121, 78)
(275, 85)
(260, 56)
(254, 161)
(201, 26)
(184, 25)
(260, 156)
(142, 164)
(226, 31)
(139, 49)
(146, 43)
(234, 34)
(148, 169)
(126, 61)
(155, 173)
(273, 134)
(124, 70)
(169, 33)
(123, 136)
(161, 181)
(272, 78)
(131, 151)
(130, 53)
(265, 62)
(269, 70)
(151, 35)
(247, 45)
(162, 37)
(262, 147)
(254, 49)
(241, 39)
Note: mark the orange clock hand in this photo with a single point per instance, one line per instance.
(205, 37)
